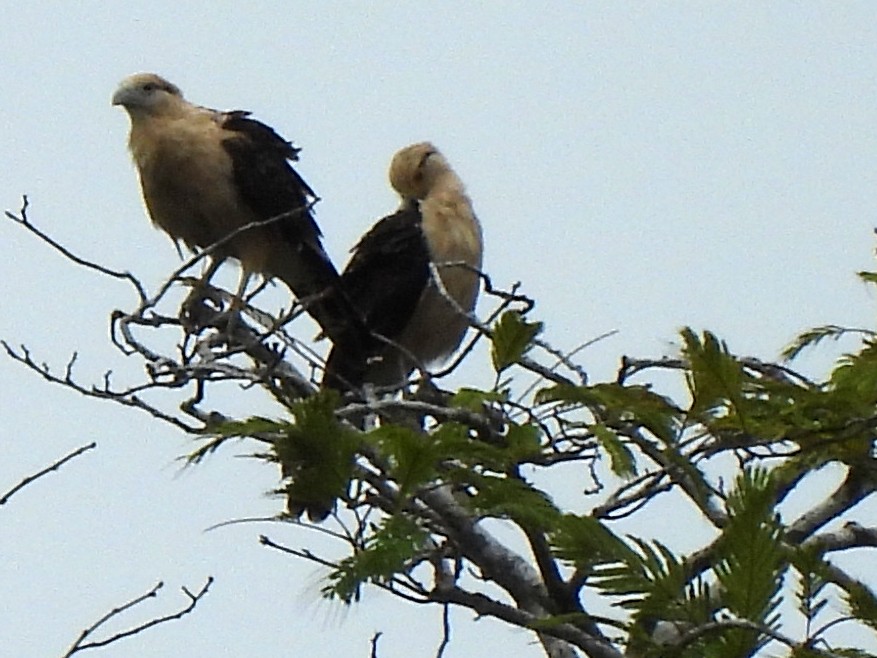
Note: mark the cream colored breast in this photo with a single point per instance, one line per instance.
(454, 236)
(187, 179)
(452, 231)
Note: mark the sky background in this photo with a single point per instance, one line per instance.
(638, 166)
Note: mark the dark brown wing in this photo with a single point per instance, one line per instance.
(384, 280)
(269, 185)
(265, 178)
(389, 271)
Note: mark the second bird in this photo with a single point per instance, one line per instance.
(388, 278)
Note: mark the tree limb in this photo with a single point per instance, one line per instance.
(81, 645)
(861, 481)
(53, 467)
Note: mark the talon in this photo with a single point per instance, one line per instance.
(200, 308)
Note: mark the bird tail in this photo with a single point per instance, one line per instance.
(346, 365)
(318, 288)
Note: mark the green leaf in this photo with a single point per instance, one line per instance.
(512, 337)
(862, 603)
(585, 542)
(474, 399)
(522, 442)
(646, 577)
(856, 375)
(813, 573)
(621, 458)
(813, 337)
(455, 441)
(614, 403)
(751, 561)
(234, 429)
(651, 578)
(388, 551)
(413, 456)
(250, 427)
(316, 456)
(715, 377)
(809, 652)
(506, 497)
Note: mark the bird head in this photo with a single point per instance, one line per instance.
(146, 93)
(415, 169)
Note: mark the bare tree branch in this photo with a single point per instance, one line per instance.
(53, 467)
(852, 535)
(446, 632)
(567, 633)
(22, 220)
(374, 643)
(506, 568)
(693, 634)
(106, 393)
(81, 644)
(861, 481)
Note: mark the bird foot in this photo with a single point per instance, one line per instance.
(201, 308)
(227, 322)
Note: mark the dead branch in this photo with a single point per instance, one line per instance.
(81, 643)
(53, 467)
(22, 220)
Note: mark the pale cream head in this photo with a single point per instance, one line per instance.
(146, 93)
(415, 170)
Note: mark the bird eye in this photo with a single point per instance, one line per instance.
(150, 87)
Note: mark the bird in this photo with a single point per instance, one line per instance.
(205, 174)
(413, 320)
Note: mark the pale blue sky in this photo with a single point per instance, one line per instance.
(638, 166)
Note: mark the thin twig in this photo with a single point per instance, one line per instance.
(81, 645)
(446, 631)
(54, 467)
(22, 220)
(374, 644)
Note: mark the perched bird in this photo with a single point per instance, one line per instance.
(412, 321)
(205, 174)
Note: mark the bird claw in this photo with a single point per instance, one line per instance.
(201, 308)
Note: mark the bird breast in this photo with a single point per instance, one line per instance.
(452, 231)
(453, 236)
(186, 177)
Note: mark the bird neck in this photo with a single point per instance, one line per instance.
(447, 181)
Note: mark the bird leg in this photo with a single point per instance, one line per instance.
(226, 321)
(237, 302)
(369, 421)
(232, 314)
(195, 310)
